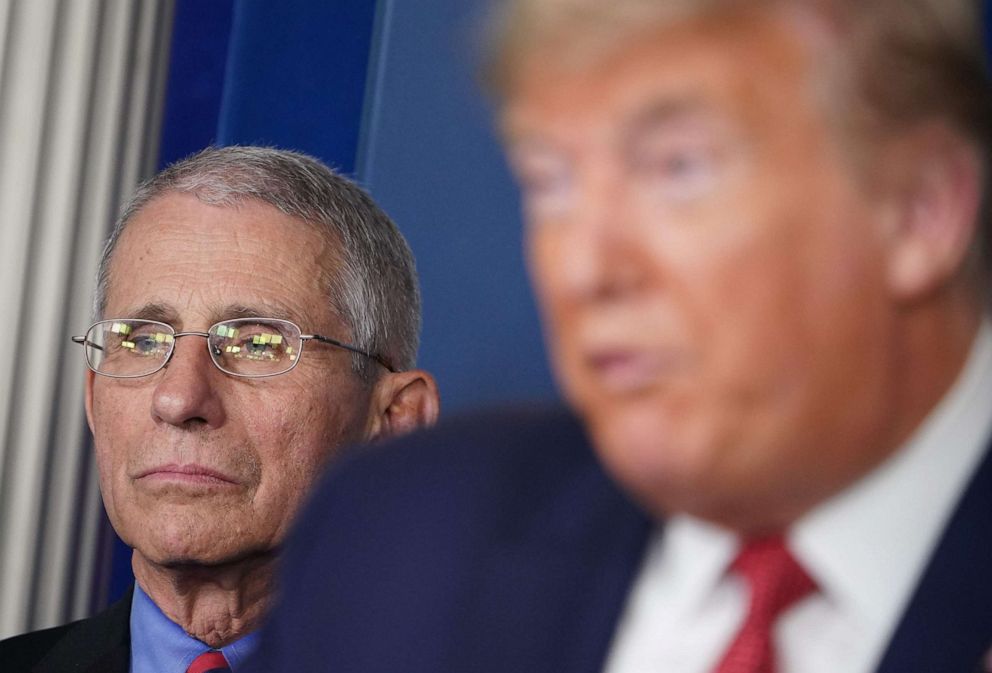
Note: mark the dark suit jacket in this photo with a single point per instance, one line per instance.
(497, 543)
(100, 644)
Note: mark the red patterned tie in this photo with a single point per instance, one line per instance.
(209, 662)
(776, 581)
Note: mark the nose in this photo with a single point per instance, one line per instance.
(187, 394)
(597, 247)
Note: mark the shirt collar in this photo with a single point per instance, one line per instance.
(159, 645)
(688, 557)
(868, 546)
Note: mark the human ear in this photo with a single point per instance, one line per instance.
(88, 398)
(403, 402)
(938, 195)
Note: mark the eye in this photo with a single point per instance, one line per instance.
(677, 171)
(681, 156)
(255, 342)
(683, 164)
(150, 344)
(141, 340)
(546, 181)
(264, 345)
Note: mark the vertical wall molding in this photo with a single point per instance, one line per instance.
(81, 90)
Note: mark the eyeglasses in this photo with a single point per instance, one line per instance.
(126, 348)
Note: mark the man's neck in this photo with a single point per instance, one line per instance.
(215, 604)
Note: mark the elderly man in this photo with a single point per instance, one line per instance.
(256, 311)
(755, 232)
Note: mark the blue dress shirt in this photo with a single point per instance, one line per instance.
(159, 645)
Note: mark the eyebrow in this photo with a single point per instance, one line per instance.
(664, 111)
(166, 313)
(154, 311)
(259, 310)
(661, 113)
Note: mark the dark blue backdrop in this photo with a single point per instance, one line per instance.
(429, 157)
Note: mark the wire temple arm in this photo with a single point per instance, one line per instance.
(354, 349)
(81, 340)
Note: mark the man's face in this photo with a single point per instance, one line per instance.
(254, 445)
(709, 267)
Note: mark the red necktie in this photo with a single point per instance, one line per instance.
(209, 662)
(776, 581)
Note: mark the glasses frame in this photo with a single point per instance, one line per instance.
(82, 341)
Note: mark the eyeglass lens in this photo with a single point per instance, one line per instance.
(243, 347)
(251, 347)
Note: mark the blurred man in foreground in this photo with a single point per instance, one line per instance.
(255, 312)
(756, 234)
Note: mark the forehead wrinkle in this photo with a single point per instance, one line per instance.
(297, 274)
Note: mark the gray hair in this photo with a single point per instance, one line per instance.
(375, 290)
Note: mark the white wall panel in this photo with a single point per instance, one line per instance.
(81, 85)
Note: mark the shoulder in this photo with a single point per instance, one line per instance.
(475, 443)
(23, 652)
(499, 475)
(413, 538)
(470, 460)
(93, 644)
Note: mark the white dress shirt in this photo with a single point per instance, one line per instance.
(865, 548)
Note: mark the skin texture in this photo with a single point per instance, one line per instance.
(205, 544)
(729, 303)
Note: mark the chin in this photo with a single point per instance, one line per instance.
(190, 555)
(668, 467)
(170, 553)
(186, 541)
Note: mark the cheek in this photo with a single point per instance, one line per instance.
(290, 467)
(749, 278)
(546, 247)
(297, 439)
(783, 318)
(111, 443)
(543, 249)
(749, 309)
(724, 299)
(113, 428)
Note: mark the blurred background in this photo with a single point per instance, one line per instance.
(96, 95)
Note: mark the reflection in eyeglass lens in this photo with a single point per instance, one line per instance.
(254, 344)
(127, 347)
(136, 339)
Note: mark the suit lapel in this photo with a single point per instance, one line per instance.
(554, 583)
(101, 644)
(948, 624)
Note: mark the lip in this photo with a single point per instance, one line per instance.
(626, 370)
(189, 474)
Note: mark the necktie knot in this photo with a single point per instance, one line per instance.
(773, 575)
(776, 581)
(211, 661)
